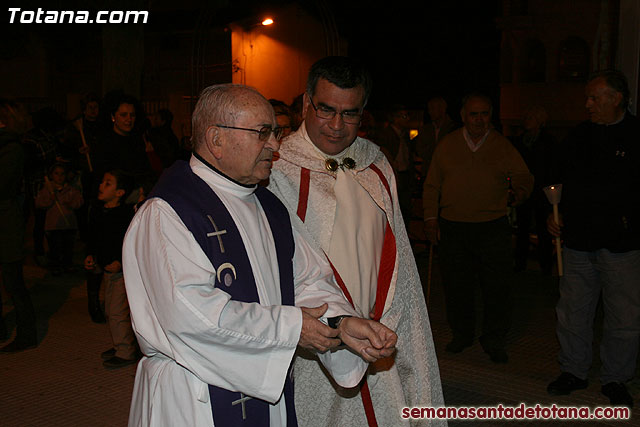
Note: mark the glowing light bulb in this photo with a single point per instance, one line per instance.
(267, 21)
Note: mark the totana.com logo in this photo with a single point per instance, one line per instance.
(40, 16)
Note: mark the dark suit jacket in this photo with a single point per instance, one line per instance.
(425, 142)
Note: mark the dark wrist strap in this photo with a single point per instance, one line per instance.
(334, 322)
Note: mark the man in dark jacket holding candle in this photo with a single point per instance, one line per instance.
(599, 169)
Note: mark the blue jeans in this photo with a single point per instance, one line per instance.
(586, 275)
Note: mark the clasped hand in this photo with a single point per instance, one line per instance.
(554, 228)
(370, 339)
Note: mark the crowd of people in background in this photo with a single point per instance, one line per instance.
(81, 180)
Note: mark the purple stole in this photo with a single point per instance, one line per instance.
(204, 214)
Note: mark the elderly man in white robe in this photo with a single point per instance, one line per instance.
(341, 193)
(213, 269)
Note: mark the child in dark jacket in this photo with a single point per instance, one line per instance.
(108, 223)
(60, 199)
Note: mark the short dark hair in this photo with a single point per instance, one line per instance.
(477, 95)
(89, 97)
(280, 107)
(124, 181)
(344, 72)
(124, 99)
(617, 81)
(57, 165)
(166, 116)
(395, 110)
(14, 116)
(437, 99)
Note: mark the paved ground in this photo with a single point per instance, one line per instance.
(470, 378)
(62, 381)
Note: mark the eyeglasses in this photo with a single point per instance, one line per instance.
(264, 133)
(350, 117)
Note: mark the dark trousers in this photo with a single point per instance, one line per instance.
(38, 230)
(13, 280)
(404, 185)
(473, 254)
(525, 214)
(61, 247)
(93, 295)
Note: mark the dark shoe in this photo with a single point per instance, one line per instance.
(497, 355)
(457, 345)
(617, 394)
(565, 384)
(117, 362)
(16, 346)
(106, 355)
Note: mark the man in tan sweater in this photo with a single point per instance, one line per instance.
(474, 175)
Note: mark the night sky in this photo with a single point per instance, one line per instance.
(443, 48)
(415, 49)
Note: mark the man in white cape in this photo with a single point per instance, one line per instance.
(212, 272)
(341, 193)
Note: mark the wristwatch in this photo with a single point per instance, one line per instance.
(334, 322)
